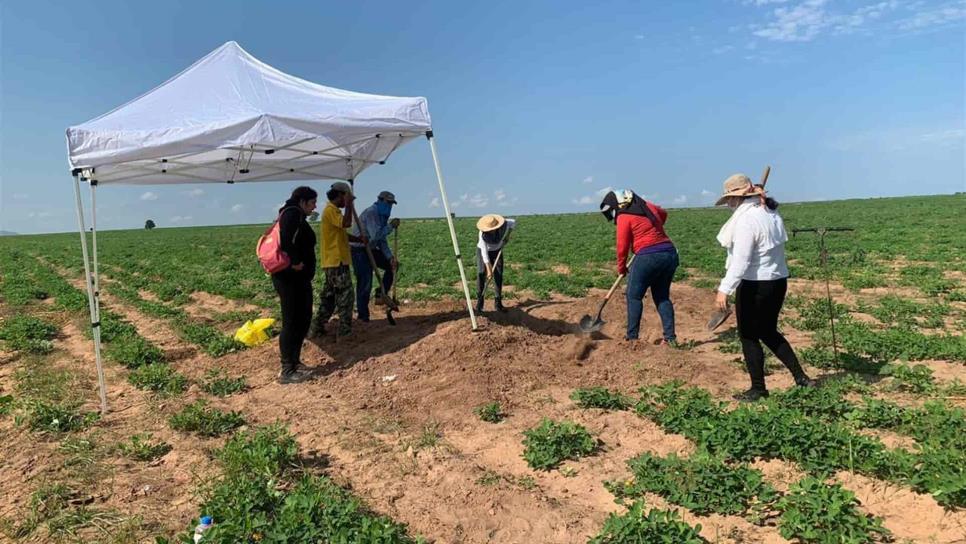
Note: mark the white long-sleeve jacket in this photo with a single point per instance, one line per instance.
(757, 245)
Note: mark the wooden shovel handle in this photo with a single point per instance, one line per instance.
(764, 176)
(618, 280)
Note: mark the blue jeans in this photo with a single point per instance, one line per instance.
(363, 271)
(654, 271)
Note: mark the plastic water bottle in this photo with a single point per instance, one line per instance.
(206, 523)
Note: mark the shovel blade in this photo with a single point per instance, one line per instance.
(589, 324)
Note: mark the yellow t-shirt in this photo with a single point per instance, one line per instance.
(335, 240)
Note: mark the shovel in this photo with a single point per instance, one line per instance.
(390, 304)
(588, 324)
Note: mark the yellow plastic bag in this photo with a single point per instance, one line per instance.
(252, 333)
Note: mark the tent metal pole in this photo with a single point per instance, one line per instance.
(95, 324)
(452, 228)
(97, 281)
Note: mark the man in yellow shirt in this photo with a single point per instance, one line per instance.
(336, 294)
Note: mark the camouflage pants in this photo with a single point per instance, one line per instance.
(336, 297)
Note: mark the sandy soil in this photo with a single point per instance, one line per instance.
(380, 389)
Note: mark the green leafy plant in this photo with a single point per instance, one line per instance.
(219, 384)
(27, 333)
(159, 378)
(600, 397)
(6, 404)
(702, 483)
(490, 412)
(133, 351)
(912, 379)
(141, 448)
(198, 418)
(49, 417)
(814, 511)
(550, 443)
(654, 526)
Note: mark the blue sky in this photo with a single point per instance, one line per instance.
(537, 106)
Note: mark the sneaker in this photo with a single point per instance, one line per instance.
(751, 395)
(805, 381)
(302, 367)
(293, 376)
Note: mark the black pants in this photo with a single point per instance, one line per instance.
(481, 276)
(757, 306)
(295, 294)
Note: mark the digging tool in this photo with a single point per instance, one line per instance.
(395, 253)
(588, 324)
(823, 257)
(390, 304)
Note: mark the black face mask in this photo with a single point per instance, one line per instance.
(608, 207)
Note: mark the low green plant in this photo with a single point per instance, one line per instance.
(198, 418)
(600, 397)
(43, 416)
(702, 483)
(6, 404)
(159, 378)
(219, 384)
(141, 448)
(911, 379)
(212, 340)
(490, 412)
(133, 351)
(653, 526)
(813, 511)
(26, 333)
(550, 443)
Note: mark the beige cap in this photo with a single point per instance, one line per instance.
(342, 186)
(490, 222)
(738, 185)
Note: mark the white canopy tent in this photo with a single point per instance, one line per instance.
(230, 118)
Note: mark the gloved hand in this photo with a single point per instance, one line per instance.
(394, 222)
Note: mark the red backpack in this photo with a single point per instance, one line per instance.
(269, 247)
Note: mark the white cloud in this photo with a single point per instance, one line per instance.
(20, 196)
(638, 36)
(149, 196)
(952, 137)
(195, 193)
(705, 192)
(763, 2)
(39, 215)
(237, 208)
(435, 202)
(588, 179)
(681, 199)
(604, 191)
(800, 23)
(478, 200)
(583, 201)
(499, 195)
(723, 49)
(180, 218)
(949, 13)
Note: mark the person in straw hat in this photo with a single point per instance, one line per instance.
(757, 274)
(494, 231)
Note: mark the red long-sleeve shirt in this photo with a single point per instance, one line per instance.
(638, 232)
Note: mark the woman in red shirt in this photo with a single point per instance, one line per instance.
(640, 226)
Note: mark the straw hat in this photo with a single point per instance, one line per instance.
(738, 185)
(490, 222)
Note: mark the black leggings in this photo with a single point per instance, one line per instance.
(295, 294)
(481, 277)
(757, 306)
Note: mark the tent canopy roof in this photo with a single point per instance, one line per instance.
(232, 118)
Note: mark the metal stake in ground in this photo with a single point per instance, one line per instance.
(823, 257)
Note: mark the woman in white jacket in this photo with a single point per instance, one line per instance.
(758, 275)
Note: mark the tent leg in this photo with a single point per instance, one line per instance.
(89, 282)
(452, 229)
(97, 281)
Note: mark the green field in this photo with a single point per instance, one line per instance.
(901, 300)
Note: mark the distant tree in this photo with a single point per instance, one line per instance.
(314, 216)
(149, 224)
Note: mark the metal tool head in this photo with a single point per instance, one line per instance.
(718, 317)
(589, 324)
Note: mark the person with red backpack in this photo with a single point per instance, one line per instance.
(640, 226)
(294, 283)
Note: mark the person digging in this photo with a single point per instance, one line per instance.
(375, 220)
(494, 232)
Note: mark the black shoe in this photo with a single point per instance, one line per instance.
(501, 308)
(479, 308)
(805, 381)
(305, 369)
(751, 395)
(293, 376)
